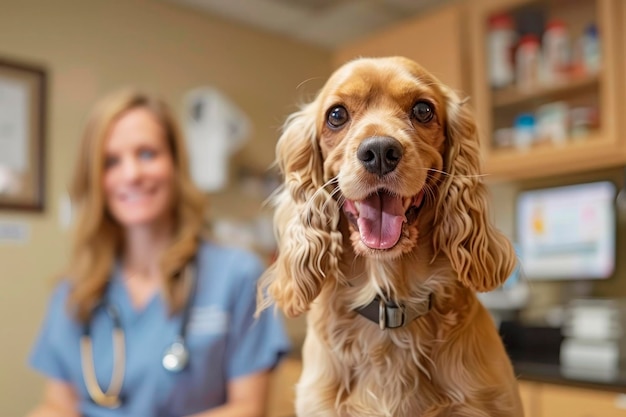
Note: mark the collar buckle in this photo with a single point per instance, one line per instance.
(390, 316)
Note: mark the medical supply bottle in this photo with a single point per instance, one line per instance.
(524, 131)
(527, 62)
(591, 50)
(557, 52)
(501, 38)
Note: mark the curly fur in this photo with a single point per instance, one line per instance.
(449, 362)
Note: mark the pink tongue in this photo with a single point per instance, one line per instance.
(380, 220)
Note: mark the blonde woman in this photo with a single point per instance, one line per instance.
(152, 320)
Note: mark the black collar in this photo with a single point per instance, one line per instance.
(390, 315)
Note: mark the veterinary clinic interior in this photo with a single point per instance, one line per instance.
(544, 79)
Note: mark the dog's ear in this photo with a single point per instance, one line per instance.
(481, 256)
(305, 221)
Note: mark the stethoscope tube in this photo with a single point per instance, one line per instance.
(111, 397)
(175, 357)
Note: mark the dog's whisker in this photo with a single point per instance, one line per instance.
(341, 199)
(322, 188)
(330, 199)
(455, 175)
(430, 192)
(273, 196)
(312, 202)
(335, 191)
(302, 83)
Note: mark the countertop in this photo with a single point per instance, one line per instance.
(552, 373)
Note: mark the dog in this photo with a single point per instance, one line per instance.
(384, 236)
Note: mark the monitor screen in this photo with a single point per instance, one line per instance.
(567, 232)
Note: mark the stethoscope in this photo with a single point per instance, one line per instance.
(175, 358)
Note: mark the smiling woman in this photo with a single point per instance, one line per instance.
(151, 318)
(132, 179)
(139, 170)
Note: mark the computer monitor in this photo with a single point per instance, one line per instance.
(567, 233)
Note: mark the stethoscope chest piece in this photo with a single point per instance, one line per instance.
(176, 357)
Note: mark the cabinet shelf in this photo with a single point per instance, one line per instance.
(605, 147)
(512, 96)
(594, 152)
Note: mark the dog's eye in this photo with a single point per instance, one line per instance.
(337, 116)
(423, 111)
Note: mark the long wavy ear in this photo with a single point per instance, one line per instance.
(480, 254)
(305, 221)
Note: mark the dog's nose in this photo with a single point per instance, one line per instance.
(379, 154)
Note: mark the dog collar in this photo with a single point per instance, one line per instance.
(390, 315)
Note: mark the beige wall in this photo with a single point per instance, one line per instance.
(90, 47)
(444, 58)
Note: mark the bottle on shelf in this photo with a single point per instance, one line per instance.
(553, 122)
(557, 52)
(528, 62)
(501, 39)
(591, 50)
(524, 131)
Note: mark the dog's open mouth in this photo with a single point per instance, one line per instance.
(380, 216)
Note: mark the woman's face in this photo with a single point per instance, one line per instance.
(139, 173)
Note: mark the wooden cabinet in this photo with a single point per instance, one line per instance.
(451, 42)
(550, 400)
(557, 401)
(530, 391)
(282, 388)
(597, 145)
(539, 399)
(434, 39)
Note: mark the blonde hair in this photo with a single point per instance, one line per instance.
(98, 237)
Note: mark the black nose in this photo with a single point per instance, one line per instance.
(379, 154)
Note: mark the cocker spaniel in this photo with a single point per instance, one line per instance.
(384, 236)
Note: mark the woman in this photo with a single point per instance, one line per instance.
(141, 278)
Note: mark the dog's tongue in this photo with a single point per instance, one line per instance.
(380, 220)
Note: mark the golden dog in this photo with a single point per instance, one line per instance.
(384, 236)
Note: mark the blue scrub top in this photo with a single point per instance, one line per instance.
(224, 339)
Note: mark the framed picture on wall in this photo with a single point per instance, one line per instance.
(22, 136)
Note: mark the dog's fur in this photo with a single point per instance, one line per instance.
(449, 362)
